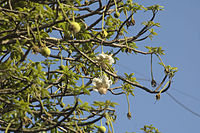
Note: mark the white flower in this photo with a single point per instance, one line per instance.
(101, 84)
(102, 58)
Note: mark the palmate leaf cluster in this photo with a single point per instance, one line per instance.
(34, 88)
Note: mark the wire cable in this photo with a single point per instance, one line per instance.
(182, 105)
(171, 96)
(186, 94)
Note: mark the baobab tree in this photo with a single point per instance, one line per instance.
(52, 52)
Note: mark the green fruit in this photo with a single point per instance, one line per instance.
(102, 129)
(45, 51)
(117, 14)
(75, 27)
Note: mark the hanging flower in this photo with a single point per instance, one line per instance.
(104, 59)
(101, 84)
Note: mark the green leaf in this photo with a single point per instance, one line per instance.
(86, 91)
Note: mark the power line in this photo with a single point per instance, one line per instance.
(130, 69)
(182, 105)
(148, 80)
(186, 94)
(172, 97)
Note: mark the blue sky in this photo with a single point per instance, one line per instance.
(179, 36)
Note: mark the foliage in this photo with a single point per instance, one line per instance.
(150, 129)
(48, 53)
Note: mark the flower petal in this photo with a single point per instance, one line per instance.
(102, 84)
(96, 82)
(100, 56)
(95, 90)
(111, 60)
(102, 90)
(104, 79)
(110, 82)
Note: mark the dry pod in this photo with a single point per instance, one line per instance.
(86, 2)
(158, 96)
(128, 24)
(129, 115)
(35, 49)
(61, 67)
(153, 83)
(117, 14)
(84, 70)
